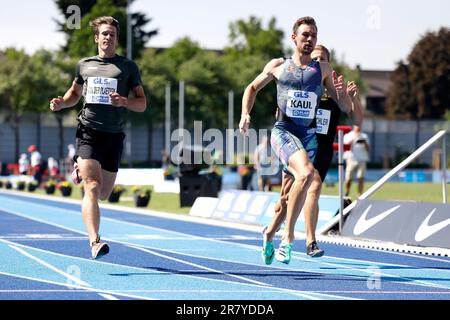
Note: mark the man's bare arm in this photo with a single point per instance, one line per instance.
(336, 87)
(70, 98)
(138, 103)
(357, 112)
(248, 99)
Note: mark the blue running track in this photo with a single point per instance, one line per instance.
(44, 255)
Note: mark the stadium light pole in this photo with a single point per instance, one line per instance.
(129, 56)
(181, 110)
(230, 141)
(341, 177)
(167, 120)
(230, 109)
(444, 169)
(341, 131)
(129, 33)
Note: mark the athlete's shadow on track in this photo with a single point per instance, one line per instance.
(299, 275)
(264, 275)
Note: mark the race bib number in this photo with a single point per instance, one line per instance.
(99, 88)
(301, 104)
(323, 118)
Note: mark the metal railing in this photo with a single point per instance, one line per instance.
(440, 135)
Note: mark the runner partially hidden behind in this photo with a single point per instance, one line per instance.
(105, 82)
(300, 81)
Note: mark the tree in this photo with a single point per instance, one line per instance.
(206, 84)
(20, 76)
(59, 73)
(420, 87)
(400, 101)
(207, 87)
(155, 74)
(78, 39)
(251, 46)
(350, 74)
(250, 38)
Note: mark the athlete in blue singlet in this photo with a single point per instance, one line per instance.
(298, 94)
(300, 83)
(327, 118)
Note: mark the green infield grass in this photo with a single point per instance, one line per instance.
(170, 202)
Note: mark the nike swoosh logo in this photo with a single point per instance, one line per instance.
(364, 224)
(425, 230)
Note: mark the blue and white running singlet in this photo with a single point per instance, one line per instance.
(298, 96)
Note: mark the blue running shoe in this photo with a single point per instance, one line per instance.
(283, 254)
(268, 251)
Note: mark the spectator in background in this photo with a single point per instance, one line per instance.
(263, 165)
(35, 163)
(24, 164)
(70, 158)
(53, 167)
(4, 169)
(356, 158)
(246, 171)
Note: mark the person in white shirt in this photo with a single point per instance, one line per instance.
(71, 151)
(53, 167)
(24, 163)
(35, 163)
(356, 158)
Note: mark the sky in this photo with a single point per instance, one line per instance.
(375, 34)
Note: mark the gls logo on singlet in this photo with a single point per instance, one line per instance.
(99, 88)
(323, 118)
(301, 104)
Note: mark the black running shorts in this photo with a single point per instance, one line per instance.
(324, 155)
(105, 147)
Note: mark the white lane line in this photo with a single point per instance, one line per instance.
(379, 273)
(76, 288)
(167, 231)
(108, 296)
(200, 266)
(266, 285)
(183, 236)
(418, 282)
(415, 252)
(294, 292)
(53, 268)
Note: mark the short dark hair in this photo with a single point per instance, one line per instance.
(303, 20)
(95, 24)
